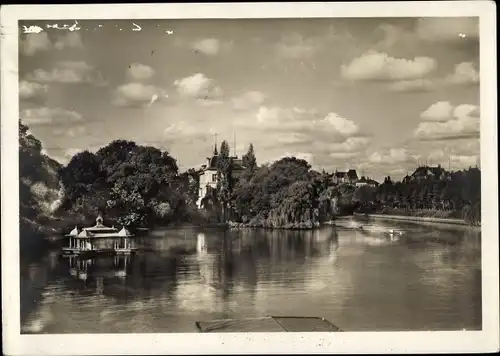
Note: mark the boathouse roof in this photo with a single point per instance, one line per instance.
(85, 234)
(73, 232)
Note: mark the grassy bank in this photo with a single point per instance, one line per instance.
(289, 226)
(416, 218)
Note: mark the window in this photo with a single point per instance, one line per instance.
(214, 177)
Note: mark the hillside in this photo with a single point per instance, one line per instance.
(40, 192)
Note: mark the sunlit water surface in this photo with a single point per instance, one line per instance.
(429, 278)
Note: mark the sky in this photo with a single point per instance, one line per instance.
(378, 95)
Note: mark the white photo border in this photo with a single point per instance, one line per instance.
(486, 340)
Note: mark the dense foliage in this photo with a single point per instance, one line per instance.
(457, 196)
(138, 185)
(40, 193)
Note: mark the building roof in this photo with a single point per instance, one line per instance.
(352, 174)
(367, 181)
(237, 163)
(423, 171)
(99, 230)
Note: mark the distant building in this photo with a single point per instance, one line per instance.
(345, 177)
(367, 181)
(428, 173)
(208, 173)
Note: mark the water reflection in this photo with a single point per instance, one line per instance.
(360, 280)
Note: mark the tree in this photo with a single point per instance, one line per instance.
(224, 175)
(249, 161)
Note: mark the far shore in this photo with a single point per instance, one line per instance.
(418, 219)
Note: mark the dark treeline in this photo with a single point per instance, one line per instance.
(455, 195)
(136, 185)
(131, 184)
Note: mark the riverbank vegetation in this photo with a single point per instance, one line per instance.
(458, 196)
(141, 186)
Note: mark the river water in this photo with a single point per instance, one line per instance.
(429, 278)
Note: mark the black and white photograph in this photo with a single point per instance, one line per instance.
(185, 175)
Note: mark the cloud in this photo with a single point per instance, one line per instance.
(447, 29)
(137, 71)
(442, 121)
(71, 132)
(35, 42)
(30, 90)
(440, 111)
(48, 116)
(248, 100)
(391, 156)
(303, 121)
(416, 85)
(464, 161)
(380, 66)
(69, 40)
(208, 46)
(465, 73)
(187, 131)
(68, 72)
(350, 145)
(295, 46)
(199, 86)
(327, 137)
(136, 94)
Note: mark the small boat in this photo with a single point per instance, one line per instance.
(267, 324)
(99, 239)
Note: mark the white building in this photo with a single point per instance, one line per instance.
(208, 174)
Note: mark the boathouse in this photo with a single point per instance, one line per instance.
(100, 238)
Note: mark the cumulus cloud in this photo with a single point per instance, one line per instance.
(68, 72)
(447, 29)
(208, 46)
(137, 71)
(465, 73)
(69, 40)
(296, 46)
(30, 90)
(298, 120)
(391, 156)
(350, 145)
(416, 85)
(248, 100)
(327, 136)
(380, 66)
(73, 131)
(48, 116)
(199, 86)
(137, 94)
(443, 121)
(187, 131)
(440, 111)
(465, 161)
(35, 42)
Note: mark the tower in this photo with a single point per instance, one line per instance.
(234, 144)
(215, 144)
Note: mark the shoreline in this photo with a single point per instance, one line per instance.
(418, 219)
